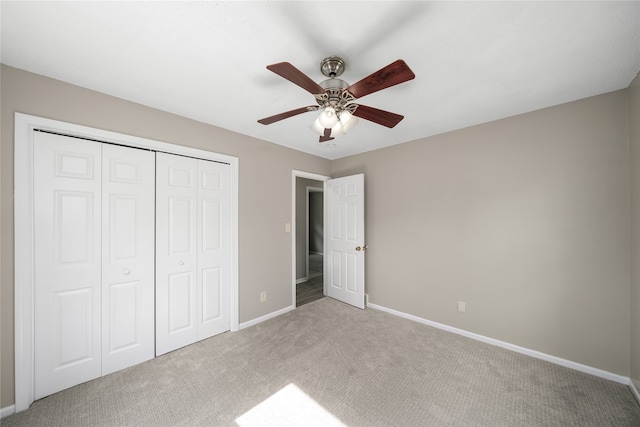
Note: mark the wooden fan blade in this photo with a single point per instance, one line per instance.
(286, 115)
(380, 117)
(326, 137)
(395, 73)
(291, 73)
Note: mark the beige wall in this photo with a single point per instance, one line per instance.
(526, 219)
(634, 142)
(264, 187)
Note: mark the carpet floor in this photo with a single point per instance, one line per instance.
(327, 363)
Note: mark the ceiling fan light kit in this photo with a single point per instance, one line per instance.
(335, 98)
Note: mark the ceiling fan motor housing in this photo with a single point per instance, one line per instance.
(335, 95)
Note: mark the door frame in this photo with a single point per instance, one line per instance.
(24, 233)
(308, 175)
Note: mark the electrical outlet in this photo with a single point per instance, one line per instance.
(263, 296)
(461, 306)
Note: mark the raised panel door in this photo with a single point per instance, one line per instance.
(67, 259)
(213, 248)
(128, 255)
(345, 244)
(176, 251)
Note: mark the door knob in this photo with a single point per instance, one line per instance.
(363, 248)
(126, 271)
(181, 263)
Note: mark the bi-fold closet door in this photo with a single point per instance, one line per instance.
(96, 283)
(94, 259)
(192, 250)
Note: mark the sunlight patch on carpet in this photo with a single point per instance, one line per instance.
(288, 407)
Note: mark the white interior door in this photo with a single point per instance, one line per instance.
(176, 251)
(67, 262)
(344, 239)
(128, 269)
(213, 293)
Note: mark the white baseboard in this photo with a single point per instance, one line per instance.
(634, 390)
(265, 317)
(304, 279)
(9, 410)
(533, 353)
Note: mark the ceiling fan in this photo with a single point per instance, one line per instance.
(336, 98)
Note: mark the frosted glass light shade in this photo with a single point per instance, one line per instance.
(328, 118)
(337, 129)
(348, 121)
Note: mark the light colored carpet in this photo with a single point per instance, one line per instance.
(306, 368)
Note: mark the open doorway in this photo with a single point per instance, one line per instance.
(310, 287)
(315, 231)
(308, 239)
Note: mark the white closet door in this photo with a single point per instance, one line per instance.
(128, 255)
(176, 251)
(67, 205)
(192, 250)
(213, 248)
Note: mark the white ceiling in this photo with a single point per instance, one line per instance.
(474, 61)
